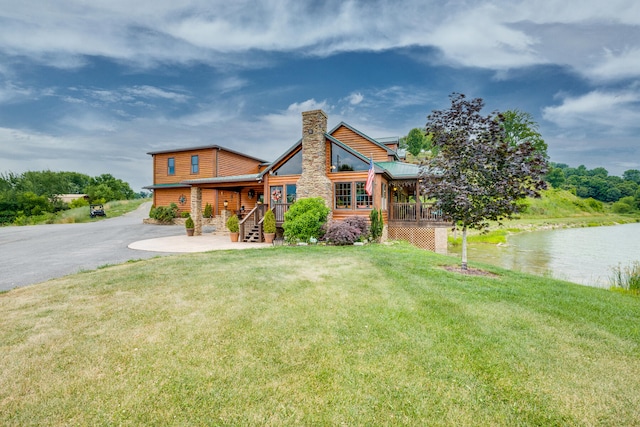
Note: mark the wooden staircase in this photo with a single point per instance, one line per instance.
(252, 235)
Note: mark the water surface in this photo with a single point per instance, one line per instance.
(581, 255)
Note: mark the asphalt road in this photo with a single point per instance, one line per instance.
(35, 254)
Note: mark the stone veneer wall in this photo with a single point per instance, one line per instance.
(314, 181)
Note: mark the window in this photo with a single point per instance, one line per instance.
(343, 161)
(291, 193)
(343, 195)
(363, 200)
(171, 166)
(195, 168)
(293, 166)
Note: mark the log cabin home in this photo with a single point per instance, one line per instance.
(331, 164)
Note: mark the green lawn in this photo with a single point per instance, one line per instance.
(374, 335)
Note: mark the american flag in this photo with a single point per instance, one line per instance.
(372, 174)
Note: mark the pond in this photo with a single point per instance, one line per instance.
(580, 255)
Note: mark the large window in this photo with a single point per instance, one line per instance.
(346, 193)
(171, 166)
(293, 166)
(363, 200)
(343, 161)
(343, 195)
(195, 168)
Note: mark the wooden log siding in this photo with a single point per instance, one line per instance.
(230, 164)
(206, 162)
(360, 144)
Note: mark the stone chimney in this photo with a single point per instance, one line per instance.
(314, 181)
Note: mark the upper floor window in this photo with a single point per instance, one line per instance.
(171, 166)
(195, 168)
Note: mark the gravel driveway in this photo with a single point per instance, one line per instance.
(38, 253)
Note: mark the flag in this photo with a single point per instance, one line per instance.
(372, 174)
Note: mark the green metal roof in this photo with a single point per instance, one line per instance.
(224, 179)
(400, 169)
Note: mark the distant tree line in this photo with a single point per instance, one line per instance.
(35, 193)
(598, 184)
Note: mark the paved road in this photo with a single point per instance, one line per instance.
(38, 253)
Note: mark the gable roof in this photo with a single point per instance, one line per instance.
(368, 138)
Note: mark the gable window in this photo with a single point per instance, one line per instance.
(363, 200)
(171, 166)
(342, 195)
(195, 164)
(293, 166)
(343, 161)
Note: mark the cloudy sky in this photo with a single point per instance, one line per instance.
(92, 86)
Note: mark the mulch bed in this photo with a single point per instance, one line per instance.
(470, 271)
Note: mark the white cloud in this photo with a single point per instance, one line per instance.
(618, 112)
(355, 98)
(599, 40)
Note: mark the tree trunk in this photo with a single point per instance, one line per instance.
(464, 247)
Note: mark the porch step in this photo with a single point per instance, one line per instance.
(253, 236)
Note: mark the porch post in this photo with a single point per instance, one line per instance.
(196, 210)
(418, 202)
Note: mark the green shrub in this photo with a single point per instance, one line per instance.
(189, 223)
(595, 205)
(164, 213)
(185, 214)
(377, 224)
(304, 219)
(269, 222)
(621, 207)
(208, 211)
(78, 203)
(233, 224)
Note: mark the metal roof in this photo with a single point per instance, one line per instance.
(224, 179)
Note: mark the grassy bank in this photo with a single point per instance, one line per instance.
(81, 214)
(372, 335)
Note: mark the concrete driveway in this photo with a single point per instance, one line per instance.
(38, 253)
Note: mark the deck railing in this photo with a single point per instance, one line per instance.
(413, 212)
(279, 209)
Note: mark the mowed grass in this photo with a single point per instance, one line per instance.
(374, 335)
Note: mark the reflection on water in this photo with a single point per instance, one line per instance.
(580, 255)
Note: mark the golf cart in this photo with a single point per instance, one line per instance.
(96, 210)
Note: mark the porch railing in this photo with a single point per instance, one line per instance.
(414, 212)
(279, 209)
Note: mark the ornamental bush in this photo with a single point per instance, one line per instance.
(358, 222)
(377, 224)
(342, 233)
(304, 220)
(208, 211)
(269, 223)
(233, 224)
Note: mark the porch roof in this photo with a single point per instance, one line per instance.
(254, 177)
(172, 185)
(400, 170)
